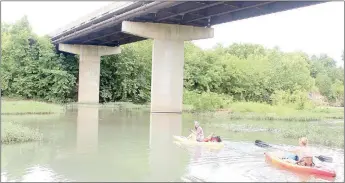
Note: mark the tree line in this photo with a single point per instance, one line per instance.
(32, 68)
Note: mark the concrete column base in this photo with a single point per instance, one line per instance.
(89, 68)
(167, 60)
(167, 76)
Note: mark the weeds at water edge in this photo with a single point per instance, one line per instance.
(16, 133)
(316, 133)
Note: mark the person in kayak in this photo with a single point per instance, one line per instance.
(199, 133)
(302, 155)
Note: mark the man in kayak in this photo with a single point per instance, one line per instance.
(199, 133)
(302, 155)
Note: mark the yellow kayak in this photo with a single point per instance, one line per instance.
(186, 141)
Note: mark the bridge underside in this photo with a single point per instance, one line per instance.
(169, 24)
(105, 30)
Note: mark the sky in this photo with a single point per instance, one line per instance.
(315, 29)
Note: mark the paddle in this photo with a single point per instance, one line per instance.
(192, 133)
(262, 144)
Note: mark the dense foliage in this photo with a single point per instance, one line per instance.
(31, 68)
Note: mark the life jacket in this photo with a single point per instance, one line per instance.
(210, 139)
(306, 161)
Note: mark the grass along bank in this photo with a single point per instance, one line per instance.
(206, 103)
(15, 112)
(22, 107)
(260, 111)
(120, 106)
(16, 133)
(291, 109)
(244, 110)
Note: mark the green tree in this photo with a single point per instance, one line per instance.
(338, 91)
(324, 83)
(29, 65)
(127, 77)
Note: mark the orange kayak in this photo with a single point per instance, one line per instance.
(273, 157)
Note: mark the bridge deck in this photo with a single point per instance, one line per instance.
(104, 26)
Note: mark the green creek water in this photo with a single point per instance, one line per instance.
(92, 144)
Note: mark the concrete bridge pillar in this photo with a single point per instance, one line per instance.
(167, 60)
(89, 68)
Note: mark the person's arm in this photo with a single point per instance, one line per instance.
(193, 133)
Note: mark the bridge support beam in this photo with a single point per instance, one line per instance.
(167, 60)
(89, 68)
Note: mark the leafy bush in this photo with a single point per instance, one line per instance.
(30, 67)
(259, 108)
(206, 100)
(127, 76)
(298, 99)
(29, 107)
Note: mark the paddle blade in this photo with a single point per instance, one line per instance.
(262, 144)
(325, 158)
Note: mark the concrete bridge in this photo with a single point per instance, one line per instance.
(168, 23)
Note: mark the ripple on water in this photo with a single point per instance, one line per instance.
(36, 174)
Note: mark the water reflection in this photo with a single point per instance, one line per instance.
(163, 126)
(87, 129)
(165, 157)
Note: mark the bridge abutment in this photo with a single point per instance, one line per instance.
(167, 60)
(89, 68)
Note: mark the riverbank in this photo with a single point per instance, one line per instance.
(257, 111)
(245, 111)
(15, 112)
(325, 133)
(235, 110)
(24, 107)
